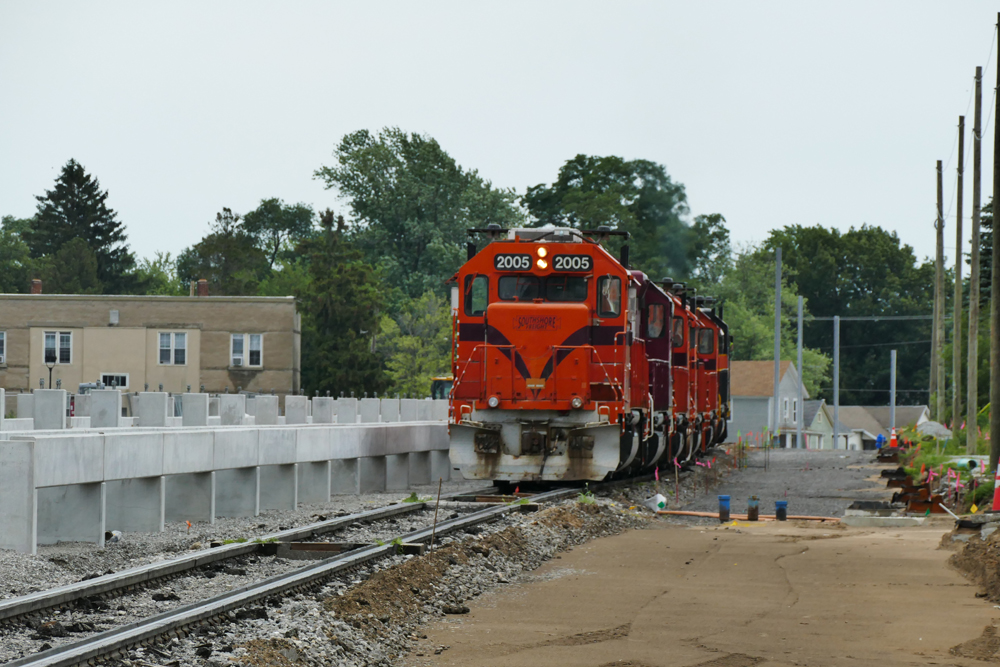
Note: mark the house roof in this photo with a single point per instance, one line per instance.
(809, 410)
(857, 417)
(755, 378)
(906, 415)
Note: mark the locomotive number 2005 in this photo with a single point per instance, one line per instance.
(512, 262)
(572, 263)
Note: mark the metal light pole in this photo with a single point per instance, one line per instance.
(836, 381)
(50, 365)
(777, 343)
(799, 417)
(892, 390)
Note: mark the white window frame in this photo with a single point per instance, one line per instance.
(173, 348)
(786, 409)
(121, 386)
(795, 411)
(58, 346)
(244, 355)
(3, 348)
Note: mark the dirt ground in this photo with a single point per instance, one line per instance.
(731, 596)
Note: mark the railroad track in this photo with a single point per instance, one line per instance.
(14, 609)
(116, 642)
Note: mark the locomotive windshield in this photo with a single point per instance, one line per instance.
(519, 288)
(553, 288)
(566, 288)
(477, 294)
(609, 300)
(706, 341)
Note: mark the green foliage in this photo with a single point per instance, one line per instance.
(72, 270)
(586, 497)
(275, 226)
(636, 196)
(159, 275)
(986, 255)
(227, 258)
(747, 290)
(239, 540)
(289, 279)
(709, 251)
(411, 204)
(414, 498)
(416, 344)
(340, 308)
(16, 264)
(864, 272)
(76, 208)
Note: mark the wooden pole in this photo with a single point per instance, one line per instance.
(956, 336)
(972, 389)
(995, 291)
(436, 505)
(936, 361)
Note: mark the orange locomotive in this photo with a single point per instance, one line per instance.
(568, 365)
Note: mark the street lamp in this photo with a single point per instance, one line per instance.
(50, 365)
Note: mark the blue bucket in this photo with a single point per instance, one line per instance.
(781, 510)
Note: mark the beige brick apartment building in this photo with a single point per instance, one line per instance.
(217, 341)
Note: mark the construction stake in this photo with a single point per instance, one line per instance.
(438, 503)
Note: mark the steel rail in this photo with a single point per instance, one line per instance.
(177, 620)
(143, 575)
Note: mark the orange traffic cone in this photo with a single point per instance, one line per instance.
(893, 440)
(996, 492)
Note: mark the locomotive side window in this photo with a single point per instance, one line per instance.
(518, 288)
(609, 297)
(477, 290)
(677, 336)
(693, 336)
(566, 288)
(654, 320)
(706, 341)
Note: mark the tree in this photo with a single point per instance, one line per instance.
(863, 272)
(986, 258)
(16, 264)
(410, 206)
(227, 258)
(72, 270)
(274, 225)
(77, 209)
(159, 275)
(710, 254)
(340, 308)
(416, 344)
(636, 196)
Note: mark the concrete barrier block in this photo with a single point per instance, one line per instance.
(105, 408)
(135, 505)
(347, 411)
(236, 448)
(371, 474)
(276, 446)
(420, 468)
(68, 459)
(314, 482)
(81, 405)
(346, 442)
(214, 420)
(279, 487)
(408, 409)
(251, 405)
(249, 420)
(368, 410)
(188, 452)
(265, 411)
(195, 408)
(439, 411)
(313, 444)
(152, 407)
(25, 406)
(440, 466)
(213, 406)
(296, 409)
(237, 492)
(73, 513)
(49, 409)
(127, 422)
(397, 472)
(324, 410)
(77, 422)
(26, 424)
(389, 410)
(190, 497)
(175, 422)
(344, 477)
(17, 496)
(424, 410)
(128, 455)
(232, 409)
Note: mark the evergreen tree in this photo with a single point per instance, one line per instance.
(72, 270)
(340, 308)
(227, 258)
(77, 208)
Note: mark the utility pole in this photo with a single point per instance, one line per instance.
(956, 336)
(936, 360)
(892, 391)
(802, 406)
(995, 291)
(836, 381)
(777, 342)
(972, 390)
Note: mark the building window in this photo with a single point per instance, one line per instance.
(173, 349)
(115, 380)
(786, 409)
(3, 347)
(58, 347)
(795, 410)
(247, 350)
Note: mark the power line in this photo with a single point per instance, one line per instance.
(898, 391)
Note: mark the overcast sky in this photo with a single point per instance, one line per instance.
(771, 113)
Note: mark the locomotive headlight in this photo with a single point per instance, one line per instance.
(577, 402)
(493, 402)
(542, 264)
(542, 251)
